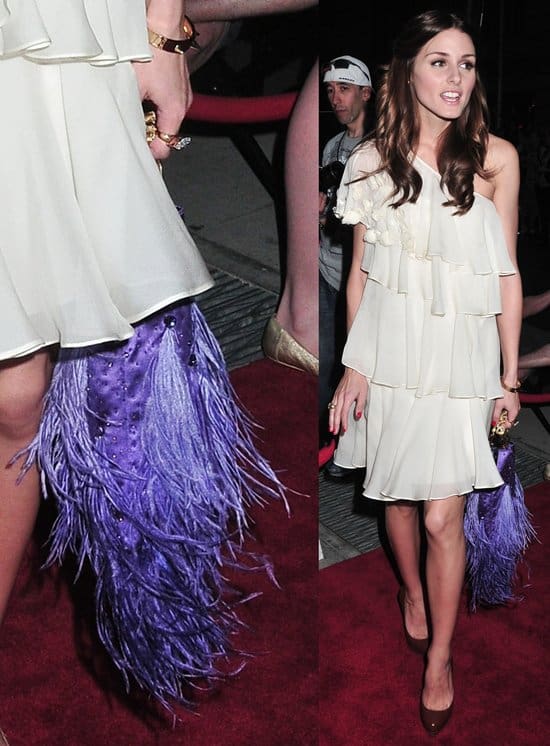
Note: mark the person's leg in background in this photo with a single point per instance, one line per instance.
(298, 309)
(292, 337)
(213, 20)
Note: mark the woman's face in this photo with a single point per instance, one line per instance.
(443, 76)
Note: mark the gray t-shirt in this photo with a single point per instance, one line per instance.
(335, 238)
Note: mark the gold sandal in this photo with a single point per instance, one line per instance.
(280, 346)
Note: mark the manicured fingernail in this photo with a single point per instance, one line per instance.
(358, 415)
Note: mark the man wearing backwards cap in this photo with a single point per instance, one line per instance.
(348, 85)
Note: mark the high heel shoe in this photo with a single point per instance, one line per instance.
(417, 644)
(280, 346)
(435, 720)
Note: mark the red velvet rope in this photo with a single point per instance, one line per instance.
(239, 110)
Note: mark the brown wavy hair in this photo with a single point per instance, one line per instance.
(463, 144)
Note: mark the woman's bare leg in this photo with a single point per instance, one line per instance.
(298, 311)
(224, 10)
(445, 567)
(212, 20)
(404, 536)
(22, 388)
(210, 36)
(539, 358)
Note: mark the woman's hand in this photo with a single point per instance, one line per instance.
(509, 402)
(351, 392)
(165, 82)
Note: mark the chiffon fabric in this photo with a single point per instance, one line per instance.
(142, 443)
(90, 241)
(425, 337)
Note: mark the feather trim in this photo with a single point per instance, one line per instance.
(498, 530)
(152, 464)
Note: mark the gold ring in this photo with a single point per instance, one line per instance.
(331, 405)
(173, 141)
(150, 125)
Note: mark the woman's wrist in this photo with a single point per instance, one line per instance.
(166, 17)
(510, 383)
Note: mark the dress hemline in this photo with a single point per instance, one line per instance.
(460, 493)
(34, 347)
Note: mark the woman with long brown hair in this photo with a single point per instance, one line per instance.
(434, 305)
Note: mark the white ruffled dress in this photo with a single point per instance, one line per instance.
(90, 241)
(425, 337)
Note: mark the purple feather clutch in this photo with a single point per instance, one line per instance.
(498, 530)
(152, 465)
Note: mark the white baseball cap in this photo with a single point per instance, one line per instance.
(347, 69)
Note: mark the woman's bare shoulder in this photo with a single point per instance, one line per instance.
(503, 161)
(501, 154)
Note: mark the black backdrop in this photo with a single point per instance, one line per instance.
(514, 38)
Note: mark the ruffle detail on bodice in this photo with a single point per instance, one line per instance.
(427, 316)
(423, 249)
(101, 32)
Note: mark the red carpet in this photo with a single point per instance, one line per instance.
(370, 681)
(48, 695)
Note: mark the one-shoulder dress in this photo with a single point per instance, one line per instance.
(142, 443)
(425, 336)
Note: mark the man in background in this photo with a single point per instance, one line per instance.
(348, 86)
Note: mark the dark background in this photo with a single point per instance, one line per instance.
(513, 48)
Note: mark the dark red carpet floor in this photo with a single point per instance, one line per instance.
(370, 681)
(48, 693)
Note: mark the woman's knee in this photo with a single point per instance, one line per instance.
(22, 390)
(443, 520)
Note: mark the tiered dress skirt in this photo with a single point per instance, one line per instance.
(425, 337)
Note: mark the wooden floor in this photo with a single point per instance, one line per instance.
(237, 313)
